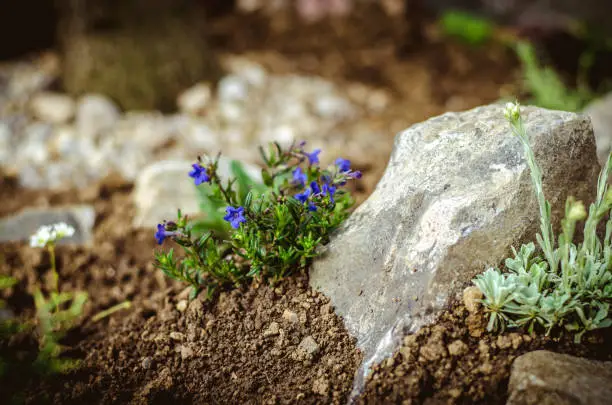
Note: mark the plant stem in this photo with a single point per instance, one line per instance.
(54, 275)
(536, 179)
(111, 310)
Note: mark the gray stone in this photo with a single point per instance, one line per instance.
(95, 113)
(455, 196)
(547, 378)
(600, 112)
(163, 187)
(22, 225)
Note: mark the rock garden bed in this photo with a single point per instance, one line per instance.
(389, 324)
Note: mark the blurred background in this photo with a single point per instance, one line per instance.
(94, 87)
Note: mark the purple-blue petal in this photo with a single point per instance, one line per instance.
(344, 165)
(313, 157)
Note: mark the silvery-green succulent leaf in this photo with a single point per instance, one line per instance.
(520, 263)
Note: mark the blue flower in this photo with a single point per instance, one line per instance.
(303, 197)
(329, 189)
(199, 174)
(235, 216)
(312, 206)
(355, 175)
(162, 233)
(299, 177)
(313, 157)
(344, 165)
(314, 187)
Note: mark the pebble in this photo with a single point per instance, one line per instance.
(290, 316)
(232, 88)
(195, 99)
(309, 346)
(186, 352)
(273, 330)
(54, 108)
(471, 298)
(181, 306)
(95, 113)
(178, 336)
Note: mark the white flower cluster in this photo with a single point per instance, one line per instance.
(512, 112)
(47, 234)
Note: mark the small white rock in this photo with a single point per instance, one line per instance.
(195, 99)
(95, 113)
(378, 101)
(54, 108)
(290, 316)
(186, 352)
(232, 88)
(329, 106)
(181, 306)
(202, 136)
(230, 111)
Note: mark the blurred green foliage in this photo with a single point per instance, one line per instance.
(545, 85)
(466, 27)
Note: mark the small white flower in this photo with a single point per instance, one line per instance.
(63, 230)
(512, 112)
(47, 234)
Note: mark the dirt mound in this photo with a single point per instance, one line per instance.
(455, 361)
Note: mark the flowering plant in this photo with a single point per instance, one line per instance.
(273, 229)
(56, 312)
(562, 284)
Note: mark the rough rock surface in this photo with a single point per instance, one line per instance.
(25, 223)
(456, 195)
(547, 378)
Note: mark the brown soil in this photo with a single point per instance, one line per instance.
(455, 361)
(243, 345)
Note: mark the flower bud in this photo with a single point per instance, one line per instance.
(512, 111)
(577, 212)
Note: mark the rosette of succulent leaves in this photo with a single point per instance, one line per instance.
(557, 283)
(251, 230)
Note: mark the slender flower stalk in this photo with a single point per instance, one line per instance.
(565, 284)
(547, 238)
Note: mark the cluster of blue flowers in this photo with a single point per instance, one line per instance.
(316, 191)
(269, 229)
(328, 185)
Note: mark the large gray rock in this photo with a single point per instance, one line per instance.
(22, 225)
(164, 187)
(455, 196)
(547, 378)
